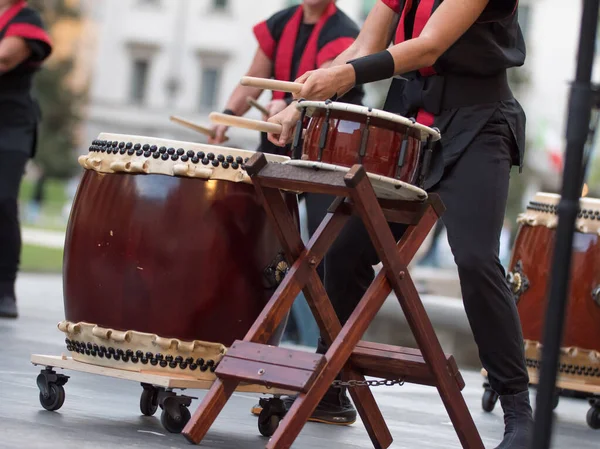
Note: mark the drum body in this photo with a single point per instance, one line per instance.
(529, 276)
(165, 272)
(385, 144)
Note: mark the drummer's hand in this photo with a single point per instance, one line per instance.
(220, 131)
(287, 119)
(322, 84)
(275, 107)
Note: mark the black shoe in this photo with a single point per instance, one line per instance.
(335, 408)
(518, 421)
(8, 307)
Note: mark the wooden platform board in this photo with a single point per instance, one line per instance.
(156, 379)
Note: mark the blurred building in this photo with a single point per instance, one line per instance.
(157, 58)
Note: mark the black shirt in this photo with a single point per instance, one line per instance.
(467, 84)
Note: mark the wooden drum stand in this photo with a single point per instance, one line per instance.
(252, 361)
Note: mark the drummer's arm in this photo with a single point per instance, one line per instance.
(237, 104)
(375, 35)
(261, 67)
(446, 25)
(13, 51)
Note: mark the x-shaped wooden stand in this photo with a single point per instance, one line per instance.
(252, 361)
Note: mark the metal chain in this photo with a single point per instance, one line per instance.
(367, 383)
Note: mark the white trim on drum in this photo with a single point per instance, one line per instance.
(385, 187)
(369, 112)
(187, 146)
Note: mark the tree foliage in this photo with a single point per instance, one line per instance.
(60, 104)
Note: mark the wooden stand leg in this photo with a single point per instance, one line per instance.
(208, 410)
(321, 307)
(338, 354)
(420, 325)
(363, 398)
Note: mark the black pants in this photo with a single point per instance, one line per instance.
(475, 191)
(316, 209)
(12, 168)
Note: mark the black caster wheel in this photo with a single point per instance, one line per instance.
(273, 411)
(52, 392)
(149, 400)
(593, 418)
(268, 423)
(175, 424)
(54, 398)
(489, 399)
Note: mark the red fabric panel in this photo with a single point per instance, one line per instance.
(425, 118)
(285, 51)
(423, 15)
(265, 40)
(400, 37)
(333, 49)
(309, 57)
(395, 5)
(27, 31)
(10, 13)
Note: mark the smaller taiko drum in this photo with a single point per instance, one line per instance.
(169, 255)
(529, 277)
(385, 144)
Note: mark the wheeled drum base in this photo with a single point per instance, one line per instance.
(157, 390)
(592, 392)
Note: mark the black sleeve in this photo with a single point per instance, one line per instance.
(39, 51)
(28, 25)
(498, 10)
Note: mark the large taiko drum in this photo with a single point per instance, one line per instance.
(529, 276)
(386, 144)
(169, 255)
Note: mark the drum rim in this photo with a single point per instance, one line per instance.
(426, 131)
(173, 143)
(417, 191)
(555, 197)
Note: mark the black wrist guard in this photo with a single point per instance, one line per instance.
(376, 67)
(228, 112)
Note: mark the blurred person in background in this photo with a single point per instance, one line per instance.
(24, 45)
(291, 42)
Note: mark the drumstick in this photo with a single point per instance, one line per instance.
(255, 125)
(190, 125)
(252, 102)
(265, 83)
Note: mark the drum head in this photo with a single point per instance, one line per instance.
(385, 188)
(118, 153)
(312, 106)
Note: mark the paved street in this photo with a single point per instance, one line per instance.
(48, 239)
(104, 413)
